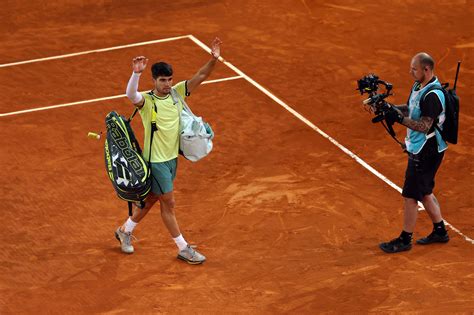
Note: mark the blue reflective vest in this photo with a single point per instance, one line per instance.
(416, 140)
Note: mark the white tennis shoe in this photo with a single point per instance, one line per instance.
(125, 240)
(191, 256)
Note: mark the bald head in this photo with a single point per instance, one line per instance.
(421, 68)
(425, 60)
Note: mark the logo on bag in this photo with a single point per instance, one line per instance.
(121, 167)
(123, 145)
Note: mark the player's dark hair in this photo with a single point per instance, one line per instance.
(161, 69)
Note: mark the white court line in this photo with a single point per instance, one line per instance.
(98, 99)
(315, 128)
(93, 51)
(37, 109)
(223, 79)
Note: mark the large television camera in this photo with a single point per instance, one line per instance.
(385, 112)
(376, 102)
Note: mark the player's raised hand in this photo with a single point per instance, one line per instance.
(216, 47)
(139, 64)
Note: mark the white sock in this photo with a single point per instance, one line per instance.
(129, 225)
(180, 242)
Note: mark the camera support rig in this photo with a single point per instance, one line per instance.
(376, 102)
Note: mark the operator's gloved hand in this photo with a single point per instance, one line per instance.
(393, 114)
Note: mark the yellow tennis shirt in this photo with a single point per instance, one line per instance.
(166, 140)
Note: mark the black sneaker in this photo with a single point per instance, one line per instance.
(433, 238)
(394, 246)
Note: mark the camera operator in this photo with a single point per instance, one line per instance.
(425, 148)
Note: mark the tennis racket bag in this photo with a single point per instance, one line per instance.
(126, 168)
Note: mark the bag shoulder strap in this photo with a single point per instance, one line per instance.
(175, 95)
(135, 111)
(154, 127)
(430, 89)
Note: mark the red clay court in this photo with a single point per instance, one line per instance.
(300, 188)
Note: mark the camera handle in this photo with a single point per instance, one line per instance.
(391, 132)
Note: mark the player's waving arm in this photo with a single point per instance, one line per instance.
(206, 70)
(138, 65)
